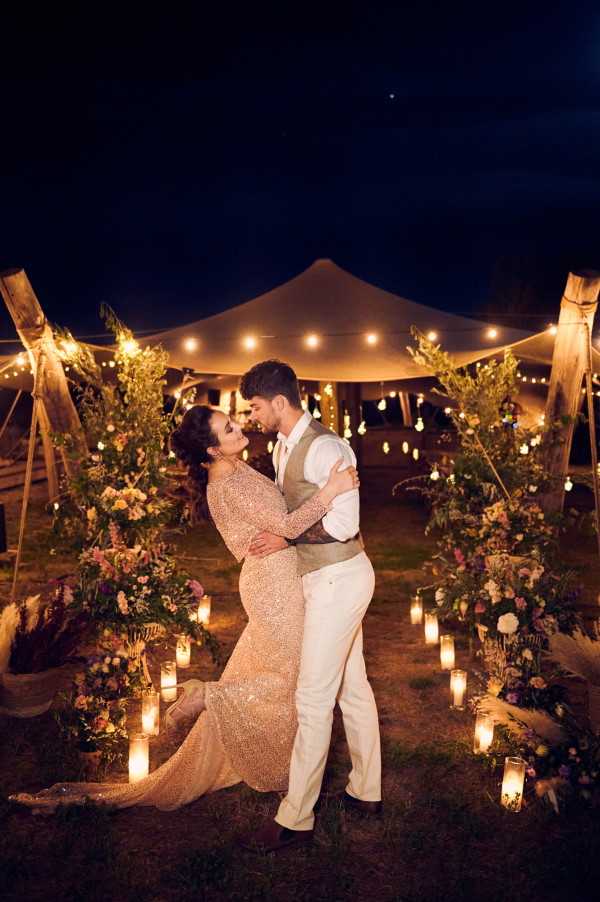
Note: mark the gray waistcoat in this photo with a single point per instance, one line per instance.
(297, 490)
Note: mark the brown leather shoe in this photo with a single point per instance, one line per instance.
(272, 837)
(373, 809)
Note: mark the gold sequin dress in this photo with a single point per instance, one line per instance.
(248, 728)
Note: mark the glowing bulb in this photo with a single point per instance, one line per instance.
(552, 329)
(415, 453)
(129, 346)
(432, 336)
(372, 338)
(492, 333)
(245, 454)
(312, 341)
(420, 399)
(317, 413)
(435, 474)
(386, 447)
(419, 425)
(100, 446)
(249, 342)
(568, 484)
(190, 344)
(317, 397)
(543, 380)
(393, 394)
(56, 505)
(171, 455)
(104, 363)
(447, 410)
(382, 404)
(111, 364)
(524, 449)
(304, 404)
(405, 447)
(534, 380)
(347, 433)
(362, 428)
(19, 360)
(270, 447)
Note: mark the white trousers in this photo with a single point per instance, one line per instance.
(332, 668)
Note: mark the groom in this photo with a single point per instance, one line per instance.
(338, 583)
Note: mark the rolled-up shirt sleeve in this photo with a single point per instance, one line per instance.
(343, 520)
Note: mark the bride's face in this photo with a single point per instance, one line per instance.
(231, 438)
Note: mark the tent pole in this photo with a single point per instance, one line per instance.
(10, 412)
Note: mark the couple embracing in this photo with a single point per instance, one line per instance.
(305, 585)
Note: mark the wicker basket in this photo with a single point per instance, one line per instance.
(29, 694)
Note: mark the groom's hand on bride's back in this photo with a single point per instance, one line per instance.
(266, 543)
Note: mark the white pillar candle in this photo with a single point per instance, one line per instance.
(447, 652)
(150, 712)
(168, 681)
(183, 652)
(458, 688)
(204, 610)
(513, 782)
(416, 611)
(138, 757)
(484, 733)
(431, 629)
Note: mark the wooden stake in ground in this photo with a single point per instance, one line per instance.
(569, 365)
(52, 390)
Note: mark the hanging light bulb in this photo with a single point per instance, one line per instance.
(552, 329)
(393, 394)
(415, 453)
(270, 447)
(130, 346)
(312, 340)
(362, 428)
(382, 404)
(420, 399)
(435, 474)
(245, 454)
(386, 447)
(372, 338)
(447, 410)
(249, 342)
(405, 447)
(419, 425)
(317, 413)
(317, 397)
(347, 433)
(568, 484)
(432, 336)
(492, 333)
(304, 404)
(190, 344)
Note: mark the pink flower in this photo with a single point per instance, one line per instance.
(196, 587)
(520, 603)
(142, 579)
(459, 556)
(479, 607)
(99, 724)
(81, 702)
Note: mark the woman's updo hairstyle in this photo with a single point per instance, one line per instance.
(191, 442)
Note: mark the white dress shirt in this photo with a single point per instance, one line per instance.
(343, 520)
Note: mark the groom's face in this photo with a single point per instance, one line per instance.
(266, 413)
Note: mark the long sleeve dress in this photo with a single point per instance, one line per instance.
(248, 728)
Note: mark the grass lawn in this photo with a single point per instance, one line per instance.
(443, 835)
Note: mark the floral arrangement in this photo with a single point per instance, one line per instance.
(40, 634)
(94, 713)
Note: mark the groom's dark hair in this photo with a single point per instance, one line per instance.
(271, 378)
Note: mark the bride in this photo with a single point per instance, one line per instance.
(247, 720)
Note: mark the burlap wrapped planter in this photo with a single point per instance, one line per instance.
(29, 694)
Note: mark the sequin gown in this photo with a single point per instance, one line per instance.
(248, 728)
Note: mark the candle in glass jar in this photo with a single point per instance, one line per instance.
(204, 610)
(447, 652)
(512, 783)
(150, 712)
(138, 757)
(484, 733)
(431, 629)
(168, 681)
(458, 688)
(416, 611)
(183, 652)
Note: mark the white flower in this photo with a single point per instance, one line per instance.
(508, 624)
(524, 449)
(440, 596)
(536, 440)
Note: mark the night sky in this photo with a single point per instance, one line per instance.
(176, 166)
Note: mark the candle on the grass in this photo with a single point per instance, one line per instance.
(168, 681)
(416, 611)
(150, 712)
(458, 688)
(447, 652)
(183, 652)
(431, 629)
(138, 757)
(513, 783)
(204, 610)
(484, 733)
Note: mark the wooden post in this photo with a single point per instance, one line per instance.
(36, 335)
(569, 365)
(49, 456)
(329, 405)
(404, 399)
